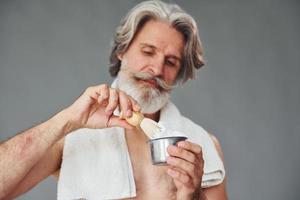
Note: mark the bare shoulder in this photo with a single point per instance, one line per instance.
(219, 191)
(217, 145)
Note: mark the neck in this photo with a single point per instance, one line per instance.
(153, 116)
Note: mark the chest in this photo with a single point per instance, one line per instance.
(150, 180)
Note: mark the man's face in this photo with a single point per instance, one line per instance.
(154, 54)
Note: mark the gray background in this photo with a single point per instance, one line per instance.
(247, 94)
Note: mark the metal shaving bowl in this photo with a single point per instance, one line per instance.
(158, 148)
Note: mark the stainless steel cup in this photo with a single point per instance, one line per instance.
(158, 148)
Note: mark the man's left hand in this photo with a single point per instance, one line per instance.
(186, 168)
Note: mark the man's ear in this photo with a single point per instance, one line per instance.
(120, 56)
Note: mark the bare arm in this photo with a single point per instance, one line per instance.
(34, 154)
(21, 153)
(217, 192)
(49, 164)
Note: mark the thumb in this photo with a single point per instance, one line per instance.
(115, 121)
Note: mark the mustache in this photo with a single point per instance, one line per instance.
(161, 83)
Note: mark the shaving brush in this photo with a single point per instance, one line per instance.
(137, 119)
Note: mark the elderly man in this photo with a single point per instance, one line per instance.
(156, 47)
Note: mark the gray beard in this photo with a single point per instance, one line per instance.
(150, 99)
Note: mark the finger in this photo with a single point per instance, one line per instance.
(183, 178)
(182, 164)
(94, 91)
(182, 153)
(91, 93)
(116, 121)
(135, 106)
(125, 104)
(178, 169)
(195, 148)
(112, 101)
(103, 95)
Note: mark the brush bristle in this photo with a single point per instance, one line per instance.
(149, 127)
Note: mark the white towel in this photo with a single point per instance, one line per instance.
(96, 163)
(214, 172)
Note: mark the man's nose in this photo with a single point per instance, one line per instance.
(157, 67)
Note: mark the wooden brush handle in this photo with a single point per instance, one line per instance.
(135, 119)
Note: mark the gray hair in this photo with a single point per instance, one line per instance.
(170, 13)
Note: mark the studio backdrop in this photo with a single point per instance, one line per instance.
(247, 94)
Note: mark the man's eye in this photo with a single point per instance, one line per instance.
(171, 63)
(148, 53)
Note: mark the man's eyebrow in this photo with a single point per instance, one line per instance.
(148, 45)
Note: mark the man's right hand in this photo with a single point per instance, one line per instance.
(94, 108)
(30, 156)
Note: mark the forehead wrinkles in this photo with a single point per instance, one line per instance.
(163, 36)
